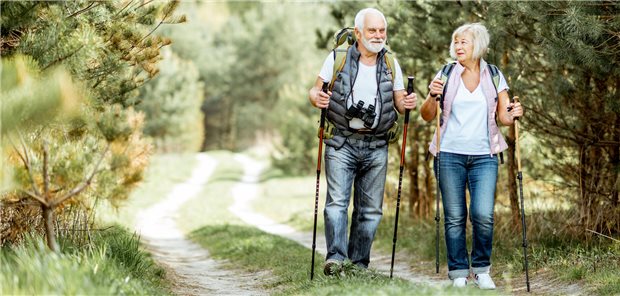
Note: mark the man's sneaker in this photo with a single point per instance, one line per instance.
(484, 281)
(459, 282)
(331, 267)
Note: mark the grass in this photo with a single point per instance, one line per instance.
(288, 262)
(111, 264)
(593, 264)
(552, 254)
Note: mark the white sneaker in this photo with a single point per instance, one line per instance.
(484, 281)
(459, 282)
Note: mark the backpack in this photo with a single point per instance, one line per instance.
(340, 52)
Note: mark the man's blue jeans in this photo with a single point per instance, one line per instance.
(364, 168)
(479, 174)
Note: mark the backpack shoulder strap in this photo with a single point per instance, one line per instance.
(389, 61)
(494, 76)
(340, 57)
(494, 71)
(446, 70)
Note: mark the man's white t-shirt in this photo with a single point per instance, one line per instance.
(365, 87)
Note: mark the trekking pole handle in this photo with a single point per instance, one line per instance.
(324, 89)
(410, 80)
(515, 99)
(517, 148)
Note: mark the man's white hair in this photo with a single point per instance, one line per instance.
(481, 39)
(361, 16)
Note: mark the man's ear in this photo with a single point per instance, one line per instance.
(358, 34)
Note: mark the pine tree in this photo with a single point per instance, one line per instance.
(566, 60)
(111, 48)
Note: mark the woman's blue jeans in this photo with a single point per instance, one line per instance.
(364, 168)
(479, 174)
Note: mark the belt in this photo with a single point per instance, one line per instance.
(361, 132)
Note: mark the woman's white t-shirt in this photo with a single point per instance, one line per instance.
(468, 130)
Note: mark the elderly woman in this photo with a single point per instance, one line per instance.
(470, 142)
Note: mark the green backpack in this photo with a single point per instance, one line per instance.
(343, 39)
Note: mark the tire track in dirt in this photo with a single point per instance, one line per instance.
(190, 266)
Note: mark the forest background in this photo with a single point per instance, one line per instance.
(90, 90)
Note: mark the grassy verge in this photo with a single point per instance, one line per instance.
(112, 264)
(593, 264)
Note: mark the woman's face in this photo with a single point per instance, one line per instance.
(464, 46)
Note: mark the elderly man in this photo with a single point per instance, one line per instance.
(361, 108)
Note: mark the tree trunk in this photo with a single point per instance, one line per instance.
(48, 220)
(512, 178)
(615, 161)
(512, 163)
(429, 195)
(412, 169)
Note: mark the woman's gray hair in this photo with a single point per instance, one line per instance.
(361, 16)
(481, 39)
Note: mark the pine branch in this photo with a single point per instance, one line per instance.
(37, 197)
(63, 58)
(125, 7)
(145, 3)
(89, 7)
(26, 160)
(84, 184)
(168, 13)
(46, 176)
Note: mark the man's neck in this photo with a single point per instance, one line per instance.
(366, 56)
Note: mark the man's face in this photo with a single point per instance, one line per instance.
(374, 35)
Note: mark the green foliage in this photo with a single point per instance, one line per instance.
(30, 97)
(171, 104)
(244, 103)
(111, 265)
(111, 48)
(566, 67)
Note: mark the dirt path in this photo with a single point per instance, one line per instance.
(246, 191)
(189, 265)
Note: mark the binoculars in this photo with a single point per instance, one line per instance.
(367, 115)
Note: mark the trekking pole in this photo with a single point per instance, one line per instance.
(437, 197)
(318, 176)
(520, 178)
(400, 176)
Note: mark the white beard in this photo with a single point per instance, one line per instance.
(373, 47)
